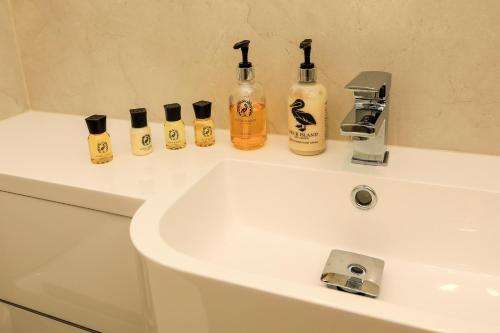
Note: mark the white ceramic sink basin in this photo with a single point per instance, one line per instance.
(243, 250)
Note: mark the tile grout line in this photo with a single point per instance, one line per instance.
(19, 56)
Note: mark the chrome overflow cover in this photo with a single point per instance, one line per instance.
(363, 197)
(353, 272)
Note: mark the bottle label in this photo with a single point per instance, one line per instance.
(143, 144)
(146, 140)
(244, 108)
(306, 124)
(206, 131)
(247, 119)
(244, 118)
(175, 137)
(141, 141)
(102, 147)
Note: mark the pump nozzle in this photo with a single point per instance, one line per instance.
(307, 72)
(306, 46)
(243, 45)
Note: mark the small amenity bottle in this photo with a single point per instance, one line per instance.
(99, 140)
(140, 133)
(204, 127)
(175, 133)
(247, 106)
(307, 109)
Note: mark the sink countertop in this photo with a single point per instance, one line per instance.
(45, 155)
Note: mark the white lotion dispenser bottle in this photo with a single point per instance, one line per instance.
(307, 109)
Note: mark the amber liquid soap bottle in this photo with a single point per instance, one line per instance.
(204, 127)
(307, 109)
(99, 140)
(247, 106)
(140, 133)
(175, 132)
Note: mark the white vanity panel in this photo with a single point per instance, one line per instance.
(70, 262)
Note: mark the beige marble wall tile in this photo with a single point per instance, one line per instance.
(95, 56)
(13, 98)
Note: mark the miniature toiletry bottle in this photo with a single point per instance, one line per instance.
(307, 109)
(247, 106)
(204, 128)
(99, 140)
(140, 133)
(175, 133)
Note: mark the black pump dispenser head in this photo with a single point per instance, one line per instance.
(306, 46)
(243, 45)
(307, 72)
(245, 68)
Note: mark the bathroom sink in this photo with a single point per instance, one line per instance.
(243, 250)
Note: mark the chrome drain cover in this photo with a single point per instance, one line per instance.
(363, 197)
(353, 272)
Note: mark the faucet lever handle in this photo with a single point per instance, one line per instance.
(371, 85)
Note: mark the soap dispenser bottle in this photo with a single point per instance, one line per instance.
(247, 106)
(307, 109)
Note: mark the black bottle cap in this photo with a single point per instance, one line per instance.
(172, 111)
(96, 123)
(306, 46)
(139, 118)
(202, 109)
(243, 45)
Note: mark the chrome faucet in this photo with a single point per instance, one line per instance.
(366, 123)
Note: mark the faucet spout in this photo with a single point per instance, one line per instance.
(363, 122)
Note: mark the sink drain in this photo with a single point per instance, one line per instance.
(353, 272)
(363, 197)
(356, 269)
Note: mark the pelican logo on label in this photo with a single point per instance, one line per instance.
(207, 131)
(102, 147)
(244, 108)
(303, 118)
(146, 140)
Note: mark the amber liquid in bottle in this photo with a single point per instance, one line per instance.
(100, 148)
(175, 134)
(248, 125)
(204, 132)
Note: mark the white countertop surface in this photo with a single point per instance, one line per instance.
(45, 155)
